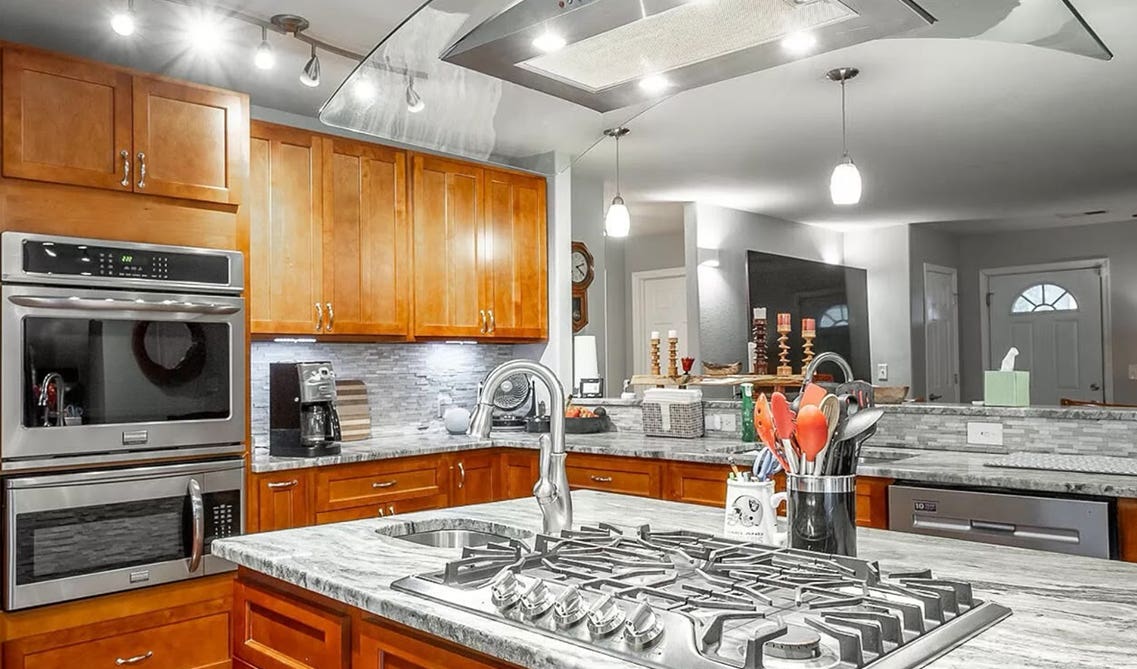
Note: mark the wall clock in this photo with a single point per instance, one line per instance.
(579, 310)
(582, 272)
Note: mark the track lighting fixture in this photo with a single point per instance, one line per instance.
(122, 22)
(265, 58)
(310, 77)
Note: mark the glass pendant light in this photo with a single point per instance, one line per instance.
(123, 22)
(264, 59)
(617, 222)
(845, 184)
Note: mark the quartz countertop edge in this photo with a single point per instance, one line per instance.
(963, 468)
(1058, 620)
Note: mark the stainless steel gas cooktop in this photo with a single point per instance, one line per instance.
(697, 601)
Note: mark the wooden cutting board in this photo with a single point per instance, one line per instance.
(353, 409)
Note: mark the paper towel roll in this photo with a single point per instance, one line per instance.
(584, 365)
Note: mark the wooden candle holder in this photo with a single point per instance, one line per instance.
(761, 363)
(655, 357)
(784, 329)
(806, 349)
(673, 357)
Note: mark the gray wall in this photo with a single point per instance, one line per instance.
(642, 254)
(883, 252)
(925, 245)
(588, 227)
(1116, 241)
(404, 381)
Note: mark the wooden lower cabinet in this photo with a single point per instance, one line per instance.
(627, 476)
(273, 630)
(872, 502)
(475, 477)
(386, 645)
(382, 487)
(178, 626)
(1127, 529)
(280, 501)
(519, 472)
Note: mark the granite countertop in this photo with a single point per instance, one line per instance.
(1069, 611)
(887, 461)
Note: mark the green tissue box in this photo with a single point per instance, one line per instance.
(1006, 389)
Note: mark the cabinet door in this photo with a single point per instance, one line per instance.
(285, 218)
(872, 502)
(449, 301)
(628, 476)
(274, 631)
(383, 645)
(189, 141)
(474, 478)
(382, 483)
(696, 483)
(367, 270)
(518, 473)
(65, 121)
(516, 266)
(282, 501)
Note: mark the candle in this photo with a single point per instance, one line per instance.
(655, 334)
(672, 334)
(760, 313)
(808, 325)
(784, 320)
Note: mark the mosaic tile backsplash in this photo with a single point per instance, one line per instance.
(404, 381)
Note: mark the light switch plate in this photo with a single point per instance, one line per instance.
(985, 434)
(714, 422)
(1133, 371)
(729, 422)
(882, 371)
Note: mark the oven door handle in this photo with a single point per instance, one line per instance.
(111, 304)
(197, 508)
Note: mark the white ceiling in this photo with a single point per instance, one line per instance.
(943, 130)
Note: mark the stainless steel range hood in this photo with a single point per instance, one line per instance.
(614, 53)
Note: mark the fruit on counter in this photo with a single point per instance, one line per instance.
(574, 411)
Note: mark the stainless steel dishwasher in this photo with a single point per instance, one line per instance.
(1060, 525)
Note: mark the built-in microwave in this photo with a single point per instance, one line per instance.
(114, 351)
(88, 533)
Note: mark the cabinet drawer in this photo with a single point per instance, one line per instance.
(612, 474)
(275, 631)
(198, 643)
(388, 508)
(364, 485)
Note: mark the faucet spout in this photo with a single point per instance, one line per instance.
(828, 356)
(551, 489)
(57, 379)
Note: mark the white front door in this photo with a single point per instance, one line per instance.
(659, 304)
(1054, 318)
(941, 334)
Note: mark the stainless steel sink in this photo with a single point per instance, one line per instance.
(455, 538)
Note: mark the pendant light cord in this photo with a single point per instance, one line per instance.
(844, 131)
(617, 163)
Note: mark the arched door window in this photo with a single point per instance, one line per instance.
(835, 316)
(1044, 297)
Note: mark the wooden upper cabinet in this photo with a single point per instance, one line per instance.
(189, 141)
(285, 210)
(65, 121)
(367, 273)
(449, 290)
(516, 267)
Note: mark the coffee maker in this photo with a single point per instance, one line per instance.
(302, 410)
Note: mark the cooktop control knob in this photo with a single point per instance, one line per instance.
(569, 608)
(605, 616)
(505, 590)
(798, 643)
(536, 600)
(644, 627)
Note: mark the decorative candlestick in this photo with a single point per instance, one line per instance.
(761, 365)
(784, 329)
(672, 354)
(808, 332)
(655, 354)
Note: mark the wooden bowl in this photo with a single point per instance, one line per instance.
(890, 394)
(715, 369)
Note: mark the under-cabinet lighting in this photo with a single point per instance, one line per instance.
(295, 340)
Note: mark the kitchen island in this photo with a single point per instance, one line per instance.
(1067, 611)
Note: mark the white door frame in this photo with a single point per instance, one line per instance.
(941, 269)
(639, 336)
(1100, 264)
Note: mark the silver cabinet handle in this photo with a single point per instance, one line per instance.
(483, 314)
(461, 474)
(331, 317)
(134, 660)
(391, 509)
(381, 513)
(282, 484)
(319, 317)
(111, 304)
(601, 479)
(141, 170)
(385, 484)
(493, 322)
(197, 508)
(125, 168)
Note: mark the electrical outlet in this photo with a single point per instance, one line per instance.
(729, 422)
(882, 371)
(985, 434)
(1133, 371)
(714, 422)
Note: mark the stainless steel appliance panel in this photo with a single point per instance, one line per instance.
(1075, 526)
(77, 535)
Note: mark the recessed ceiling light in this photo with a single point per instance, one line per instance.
(655, 83)
(364, 90)
(549, 42)
(802, 42)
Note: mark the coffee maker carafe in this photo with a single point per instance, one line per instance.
(302, 410)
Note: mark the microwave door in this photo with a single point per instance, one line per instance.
(135, 372)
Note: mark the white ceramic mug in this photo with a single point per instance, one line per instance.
(751, 512)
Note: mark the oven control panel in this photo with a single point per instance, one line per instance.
(56, 258)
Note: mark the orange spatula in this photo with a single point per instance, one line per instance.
(764, 426)
(812, 394)
(784, 428)
(812, 435)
